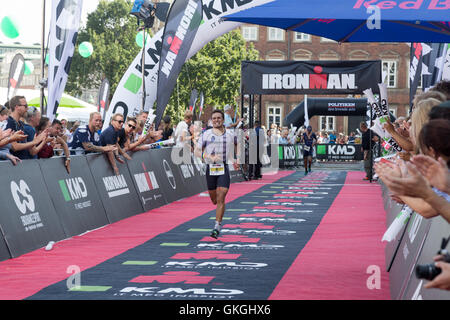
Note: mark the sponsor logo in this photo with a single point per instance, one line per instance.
(289, 153)
(116, 186)
(146, 181)
(205, 255)
(187, 277)
(21, 194)
(222, 265)
(405, 5)
(75, 189)
(290, 220)
(187, 170)
(177, 292)
(341, 150)
(169, 174)
(237, 246)
(309, 81)
(258, 231)
(177, 41)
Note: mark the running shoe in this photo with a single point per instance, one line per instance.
(215, 233)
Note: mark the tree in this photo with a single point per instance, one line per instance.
(112, 31)
(215, 70)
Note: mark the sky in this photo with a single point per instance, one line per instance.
(28, 16)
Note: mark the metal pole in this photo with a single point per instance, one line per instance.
(41, 101)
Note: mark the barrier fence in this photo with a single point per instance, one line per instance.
(417, 243)
(41, 202)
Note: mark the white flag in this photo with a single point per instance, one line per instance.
(306, 111)
(64, 24)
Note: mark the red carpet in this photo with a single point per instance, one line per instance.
(24, 276)
(334, 263)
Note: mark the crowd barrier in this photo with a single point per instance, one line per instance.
(416, 243)
(41, 202)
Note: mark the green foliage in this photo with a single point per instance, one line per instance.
(215, 70)
(112, 31)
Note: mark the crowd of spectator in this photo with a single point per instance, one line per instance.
(418, 176)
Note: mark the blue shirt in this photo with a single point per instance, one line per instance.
(309, 141)
(109, 136)
(28, 130)
(83, 135)
(332, 138)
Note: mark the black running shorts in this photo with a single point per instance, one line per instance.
(214, 182)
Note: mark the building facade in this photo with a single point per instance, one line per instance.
(278, 44)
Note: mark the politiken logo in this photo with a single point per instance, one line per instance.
(169, 174)
(22, 197)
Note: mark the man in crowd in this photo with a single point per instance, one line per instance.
(217, 146)
(86, 139)
(182, 133)
(257, 138)
(110, 138)
(26, 148)
(368, 137)
(230, 115)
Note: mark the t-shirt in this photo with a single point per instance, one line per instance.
(309, 141)
(83, 135)
(332, 138)
(28, 130)
(109, 136)
(228, 121)
(366, 143)
(182, 127)
(221, 145)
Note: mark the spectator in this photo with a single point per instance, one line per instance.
(441, 111)
(182, 134)
(22, 149)
(351, 138)
(66, 134)
(442, 87)
(110, 138)
(55, 137)
(325, 139)
(367, 148)
(231, 119)
(4, 114)
(127, 135)
(332, 137)
(32, 119)
(6, 137)
(167, 131)
(86, 139)
(419, 117)
(283, 138)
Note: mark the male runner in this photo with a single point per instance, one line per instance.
(309, 139)
(217, 146)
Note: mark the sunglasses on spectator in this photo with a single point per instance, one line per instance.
(131, 126)
(119, 121)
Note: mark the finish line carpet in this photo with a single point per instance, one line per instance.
(285, 237)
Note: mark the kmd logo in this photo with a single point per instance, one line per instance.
(289, 153)
(169, 174)
(21, 196)
(341, 150)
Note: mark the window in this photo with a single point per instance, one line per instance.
(389, 71)
(302, 54)
(250, 33)
(275, 55)
(274, 115)
(419, 86)
(275, 34)
(302, 37)
(326, 123)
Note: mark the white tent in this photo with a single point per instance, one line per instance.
(80, 113)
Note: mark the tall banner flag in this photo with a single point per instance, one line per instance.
(202, 101)
(16, 71)
(306, 111)
(433, 64)
(64, 24)
(193, 100)
(182, 24)
(415, 70)
(126, 99)
(103, 97)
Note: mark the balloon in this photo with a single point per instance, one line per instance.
(140, 38)
(29, 68)
(9, 27)
(85, 49)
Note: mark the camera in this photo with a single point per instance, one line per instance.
(430, 271)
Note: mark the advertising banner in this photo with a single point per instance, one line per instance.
(117, 192)
(148, 185)
(339, 152)
(16, 71)
(64, 24)
(309, 77)
(128, 95)
(74, 195)
(29, 220)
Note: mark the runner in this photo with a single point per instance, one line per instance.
(309, 139)
(217, 146)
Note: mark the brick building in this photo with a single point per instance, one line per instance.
(278, 44)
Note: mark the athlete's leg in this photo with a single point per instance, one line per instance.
(221, 193)
(309, 162)
(213, 196)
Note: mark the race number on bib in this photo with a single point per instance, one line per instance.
(306, 148)
(216, 169)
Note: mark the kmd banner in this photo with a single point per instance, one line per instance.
(16, 71)
(310, 77)
(127, 100)
(65, 21)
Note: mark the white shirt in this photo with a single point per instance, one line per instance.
(181, 127)
(220, 145)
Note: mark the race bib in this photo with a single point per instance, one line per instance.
(306, 148)
(216, 169)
